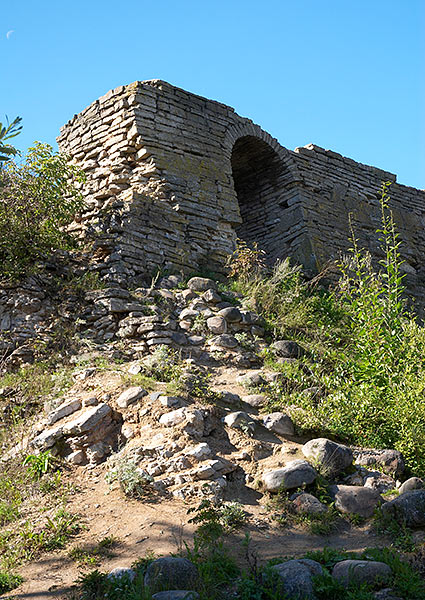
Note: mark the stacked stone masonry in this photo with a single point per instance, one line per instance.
(174, 178)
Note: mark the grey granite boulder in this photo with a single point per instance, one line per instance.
(389, 461)
(414, 483)
(355, 499)
(362, 571)
(130, 395)
(201, 284)
(279, 423)
(287, 349)
(308, 504)
(408, 508)
(330, 458)
(171, 572)
(294, 474)
(296, 578)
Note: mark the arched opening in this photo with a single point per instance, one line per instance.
(259, 179)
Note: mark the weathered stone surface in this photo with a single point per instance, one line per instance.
(255, 400)
(296, 577)
(170, 572)
(130, 396)
(354, 499)
(309, 504)
(362, 571)
(88, 420)
(279, 423)
(408, 508)
(390, 461)
(225, 341)
(329, 457)
(287, 349)
(64, 410)
(201, 284)
(231, 314)
(295, 474)
(217, 325)
(414, 483)
(239, 420)
(379, 481)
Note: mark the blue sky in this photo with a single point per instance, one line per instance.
(348, 75)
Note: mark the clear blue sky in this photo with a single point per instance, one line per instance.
(348, 75)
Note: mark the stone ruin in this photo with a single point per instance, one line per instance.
(173, 179)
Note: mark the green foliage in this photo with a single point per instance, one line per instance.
(7, 132)
(216, 518)
(9, 581)
(38, 464)
(91, 554)
(163, 364)
(246, 262)
(364, 349)
(133, 481)
(401, 536)
(38, 198)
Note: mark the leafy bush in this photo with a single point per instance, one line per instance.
(38, 198)
(163, 364)
(7, 132)
(365, 350)
(132, 479)
(9, 581)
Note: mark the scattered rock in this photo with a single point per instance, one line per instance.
(279, 423)
(287, 349)
(308, 504)
(297, 578)
(255, 400)
(391, 461)
(295, 474)
(408, 508)
(224, 341)
(354, 499)
(329, 457)
(217, 325)
(64, 410)
(201, 284)
(414, 483)
(239, 420)
(379, 481)
(171, 572)
(231, 314)
(130, 395)
(359, 572)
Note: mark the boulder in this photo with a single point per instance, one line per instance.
(130, 395)
(379, 481)
(295, 474)
(255, 400)
(224, 340)
(88, 420)
(231, 314)
(296, 577)
(329, 457)
(414, 483)
(279, 423)
(359, 572)
(217, 325)
(171, 572)
(308, 504)
(389, 461)
(201, 284)
(287, 349)
(239, 420)
(192, 418)
(408, 508)
(355, 499)
(64, 410)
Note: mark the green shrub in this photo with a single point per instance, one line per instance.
(38, 198)
(133, 481)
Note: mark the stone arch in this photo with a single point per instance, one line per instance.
(264, 180)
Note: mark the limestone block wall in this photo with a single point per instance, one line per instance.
(174, 178)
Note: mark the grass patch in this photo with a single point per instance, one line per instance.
(92, 554)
